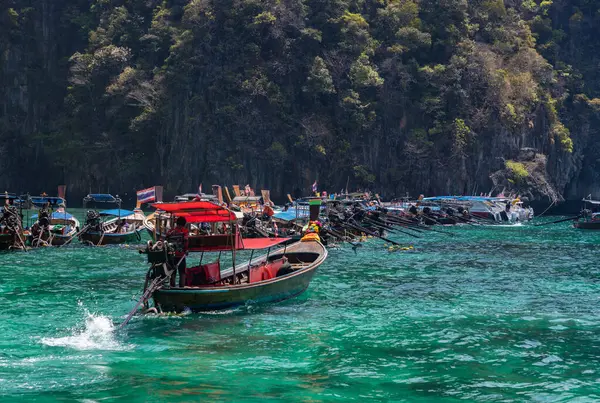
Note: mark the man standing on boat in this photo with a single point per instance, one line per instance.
(179, 235)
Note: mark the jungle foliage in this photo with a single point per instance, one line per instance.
(423, 96)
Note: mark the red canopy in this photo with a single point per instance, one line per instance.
(197, 211)
(225, 242)
(262, 243)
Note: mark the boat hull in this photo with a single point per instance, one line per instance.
(6, 241)
(198, 300)
(112, 239)
(56, 239)
(593, 225)
(209, 298)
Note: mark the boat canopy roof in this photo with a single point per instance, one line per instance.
(101, 197)
(192, 196)
(247, 199)
(117, 212)
(262, 243)
(595, 202)
(57, 215)
(8, 196)
(41, 200)
(229, 242)
(198, 211)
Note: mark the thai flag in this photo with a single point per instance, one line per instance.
(146, 195)
(314, 186)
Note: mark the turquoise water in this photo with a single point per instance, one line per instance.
(486, 314)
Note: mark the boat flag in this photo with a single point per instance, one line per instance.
(314, 186)
(200, 189)
(146, 195)
(247, 190)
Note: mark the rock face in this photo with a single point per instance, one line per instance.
(414, 97)
(527, 176)
(36, 40)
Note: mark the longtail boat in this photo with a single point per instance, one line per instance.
(113, 226)
(590, 216)
(119, 227)
(53, 229)
(274, 276)
(11, 223)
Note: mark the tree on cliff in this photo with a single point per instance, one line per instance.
(399, 95)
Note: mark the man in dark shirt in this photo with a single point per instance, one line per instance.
(179, 235)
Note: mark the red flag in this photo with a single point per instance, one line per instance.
(62, 190)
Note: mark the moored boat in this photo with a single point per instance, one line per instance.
(12, 235)
(113, 226)
(56, 228)
(118, 227)
(589, 217)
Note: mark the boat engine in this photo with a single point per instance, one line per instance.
(161, 256)
(11, 220)
(92, 220)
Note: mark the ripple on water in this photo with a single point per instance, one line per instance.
(487, 314)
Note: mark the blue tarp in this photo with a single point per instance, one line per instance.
(42, 200)
(101, 197)
(117, 212)
(56, 216)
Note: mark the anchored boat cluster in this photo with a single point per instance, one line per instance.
(286, 243)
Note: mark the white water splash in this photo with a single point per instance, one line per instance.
(98, 334)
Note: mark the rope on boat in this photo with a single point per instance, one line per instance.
(559, 221)
(549, 207)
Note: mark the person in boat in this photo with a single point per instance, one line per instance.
(179, 235)
(119, 226)
(267, 212)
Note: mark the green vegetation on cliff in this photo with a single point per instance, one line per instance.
(427, 96)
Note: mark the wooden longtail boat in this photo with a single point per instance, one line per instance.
(61, 227)
(590, 216)
(122, 227)
(272, 277)
(12, 235)
(111, 227)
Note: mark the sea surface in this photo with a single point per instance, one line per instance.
(476, 314)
